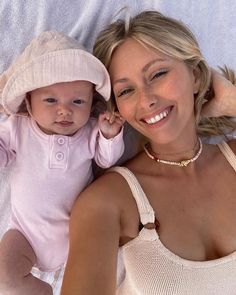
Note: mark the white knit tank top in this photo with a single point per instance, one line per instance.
(153, 269)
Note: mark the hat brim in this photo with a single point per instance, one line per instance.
(51, 68)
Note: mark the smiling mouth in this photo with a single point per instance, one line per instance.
(158, 117)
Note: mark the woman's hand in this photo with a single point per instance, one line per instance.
(224, 101)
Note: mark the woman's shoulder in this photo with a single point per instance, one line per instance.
(108, 190)
(225, 146)
(232, 145)
(109, 200)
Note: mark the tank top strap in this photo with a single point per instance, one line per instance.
(228, 153)
(147, 214)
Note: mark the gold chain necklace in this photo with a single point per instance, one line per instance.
(182, 163)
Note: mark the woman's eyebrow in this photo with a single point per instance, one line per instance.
(122, 80)
(145, 68)
(148, 65)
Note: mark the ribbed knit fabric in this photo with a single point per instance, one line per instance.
(153, 269)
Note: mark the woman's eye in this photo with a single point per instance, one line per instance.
(158, 74)
(124, 92)
(50, 100)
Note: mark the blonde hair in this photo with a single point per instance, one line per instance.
(174, 39)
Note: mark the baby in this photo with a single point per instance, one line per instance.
(50, 140)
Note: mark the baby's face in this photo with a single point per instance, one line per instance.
(62, 108)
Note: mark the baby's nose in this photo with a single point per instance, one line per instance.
(64, 111)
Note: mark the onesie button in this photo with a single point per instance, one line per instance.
(61, 140)
(59, 156)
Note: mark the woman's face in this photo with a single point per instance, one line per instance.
(154, 92)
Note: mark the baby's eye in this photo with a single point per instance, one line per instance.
(78, 101)
(50, 100)
(124, 92)
(158, 74)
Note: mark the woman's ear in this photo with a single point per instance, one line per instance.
(197, 79)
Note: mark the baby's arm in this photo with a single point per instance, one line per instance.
(7, 152)
(110, 143)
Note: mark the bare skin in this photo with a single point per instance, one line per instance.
(16, 261)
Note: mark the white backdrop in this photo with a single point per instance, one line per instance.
(213, 23)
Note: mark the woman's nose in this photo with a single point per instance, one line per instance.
(147, 99)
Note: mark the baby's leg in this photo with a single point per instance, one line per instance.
(16, 261)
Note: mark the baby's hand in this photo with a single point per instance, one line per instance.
(110, 124)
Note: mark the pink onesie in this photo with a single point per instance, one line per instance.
(48, 173)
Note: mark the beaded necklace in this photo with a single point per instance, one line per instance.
(182, 163)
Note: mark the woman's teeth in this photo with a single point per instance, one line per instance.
(157, 118)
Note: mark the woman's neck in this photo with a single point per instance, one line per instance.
(178, 150)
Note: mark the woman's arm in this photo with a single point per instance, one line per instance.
(224, 101)
(94, 240)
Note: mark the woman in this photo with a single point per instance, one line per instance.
(171, 209)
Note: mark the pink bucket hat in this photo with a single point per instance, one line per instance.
(50, 58)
